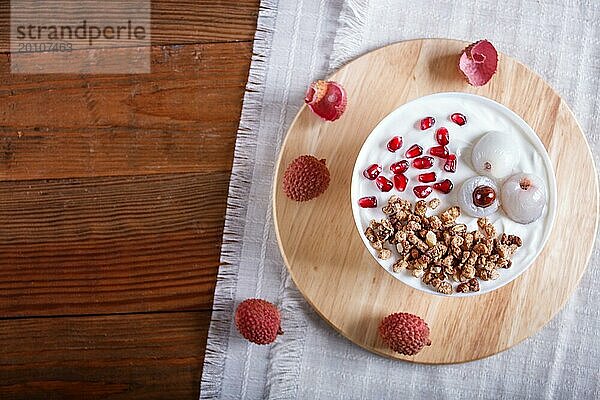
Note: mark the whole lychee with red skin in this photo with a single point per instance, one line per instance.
(305, 178)
(404, 333)
(258, 321)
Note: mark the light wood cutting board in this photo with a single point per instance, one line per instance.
(336, 274)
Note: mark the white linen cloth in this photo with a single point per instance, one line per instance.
(302, 40)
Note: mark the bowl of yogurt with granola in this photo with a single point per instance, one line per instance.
(454, 194)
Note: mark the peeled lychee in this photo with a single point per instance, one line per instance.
(258, 321)
(327, 99)
(475, 197)
(404, 333)
(479, 62)
(495, 154)
(305, 178)
(524, 197)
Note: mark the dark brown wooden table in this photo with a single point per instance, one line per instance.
(112, 201)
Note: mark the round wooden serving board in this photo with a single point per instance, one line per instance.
(345, 285)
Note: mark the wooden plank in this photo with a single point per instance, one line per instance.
(199, 21)
(181, 117)
(118, 244)
(149, 356)
(182, 21)
(110, 245)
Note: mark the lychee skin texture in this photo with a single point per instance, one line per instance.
(305, 178)
(479, 62)
(327, 99)
(404, 333)
(258, 321)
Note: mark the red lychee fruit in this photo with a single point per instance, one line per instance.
(305, 178)
(258, 321)
(327, 99)
(404, 333)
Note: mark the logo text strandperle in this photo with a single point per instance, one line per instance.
(82, 32)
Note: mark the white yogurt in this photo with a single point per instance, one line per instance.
(483, 115)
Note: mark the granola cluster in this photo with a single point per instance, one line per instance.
(439, 250)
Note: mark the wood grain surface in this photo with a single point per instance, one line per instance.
(179, 118)
(336, 273)
(112, 244)
(182, 21)
(112, 197)
(141, 356)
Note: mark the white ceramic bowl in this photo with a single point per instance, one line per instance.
(483, 115)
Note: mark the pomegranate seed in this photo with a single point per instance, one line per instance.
(427, 123)
(442, 136)
(427, 177)
(450, 165)
(400, 182)
(414, 151)
(372, 171)
(384, 184)
(422, 191)
(444, 186)
(394, 144)
(368, 202)
(458, 119)
(399, 167)
(423, 162)
(439, 151)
